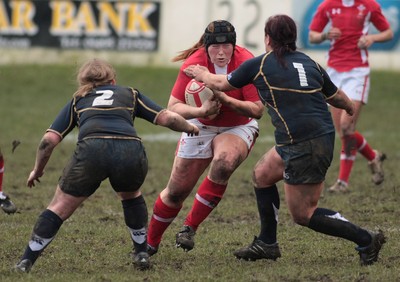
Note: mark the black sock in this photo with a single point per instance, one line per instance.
(268, 205)
(136, 218)
(332, 223)
(44, 231)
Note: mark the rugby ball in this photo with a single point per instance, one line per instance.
(196, 93)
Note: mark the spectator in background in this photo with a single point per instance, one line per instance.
(348, 68)
(224, 141)
(5, 202)
(295, 89)
(108, 147)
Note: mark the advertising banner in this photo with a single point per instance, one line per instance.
(100, 25)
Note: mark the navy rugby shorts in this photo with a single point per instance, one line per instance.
(307, 162)
(122, 161)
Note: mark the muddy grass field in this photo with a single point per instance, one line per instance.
(94, 244)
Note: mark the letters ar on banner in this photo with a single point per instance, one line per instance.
(100, 25)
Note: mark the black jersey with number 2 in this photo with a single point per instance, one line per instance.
(295, 95)
(105, 112)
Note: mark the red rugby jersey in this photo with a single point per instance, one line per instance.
(353, 18)
(227, 116)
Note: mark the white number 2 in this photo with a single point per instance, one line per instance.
(104, 99)
(302, 74)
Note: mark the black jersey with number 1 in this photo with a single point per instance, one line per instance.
(295, 95)
(105, 112)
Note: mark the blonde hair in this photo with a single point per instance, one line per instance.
(93, 73)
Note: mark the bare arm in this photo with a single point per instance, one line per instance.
(214, 81)
(208, 108)
(319, 37)
(176, 122)
(49, 141)
(367, 40)
(219, 83)
(341, 101)
(245, 108)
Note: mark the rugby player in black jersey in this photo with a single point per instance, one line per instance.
(108, 147)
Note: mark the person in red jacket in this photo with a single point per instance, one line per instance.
(349, 69)
(224, 141)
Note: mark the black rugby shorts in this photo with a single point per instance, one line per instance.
(307, 162)
(123, 162)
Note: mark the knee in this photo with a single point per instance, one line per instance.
(223, 166)
(346, 128)
(265, 178)
(301, 218)
(176, 197)
(257, 176)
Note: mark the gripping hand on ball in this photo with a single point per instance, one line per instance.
(211, 107)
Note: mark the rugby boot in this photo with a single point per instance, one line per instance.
(7, 205)
(24, 266)
(338, 187)
(258, 250)
(370, 253)
(141, 260)
(185, 238)
(376, 167)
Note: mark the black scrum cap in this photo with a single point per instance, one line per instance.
(218, 32)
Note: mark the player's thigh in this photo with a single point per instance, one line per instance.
(185, 174)
(302, 200)
(230, 148)
(64, 204)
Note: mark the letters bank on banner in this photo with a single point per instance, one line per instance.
(119, 25)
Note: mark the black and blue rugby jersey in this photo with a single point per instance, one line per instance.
(105, 112)
(295, 96)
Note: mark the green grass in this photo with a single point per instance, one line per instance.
(94, 244)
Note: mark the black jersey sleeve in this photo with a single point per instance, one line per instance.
(329, 88)
(244, 74)
(146, 108)
(65, 120)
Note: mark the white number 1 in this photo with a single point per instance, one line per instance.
(302, 74)
(103, 100)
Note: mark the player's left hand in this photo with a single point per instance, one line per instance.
(194, 132)
(364, 42)
(219, 95)
(194, 71)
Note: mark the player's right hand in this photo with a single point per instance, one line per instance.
(334, 33)
(33, 176)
